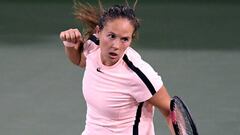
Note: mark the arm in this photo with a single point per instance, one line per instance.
(73, 46)
(162, 101)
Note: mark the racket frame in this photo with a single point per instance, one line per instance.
(188, 114)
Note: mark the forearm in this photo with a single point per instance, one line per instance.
(162, 101)
(73, 46)
(169, 123)
(73, 54)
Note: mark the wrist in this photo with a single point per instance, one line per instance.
(70, 44)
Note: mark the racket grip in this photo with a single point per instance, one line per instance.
(172, 112)
(173, 117)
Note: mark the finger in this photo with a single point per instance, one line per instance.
(78, 35)
(72, 36)
(62, 36)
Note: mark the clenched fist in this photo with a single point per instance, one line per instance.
(71, 37)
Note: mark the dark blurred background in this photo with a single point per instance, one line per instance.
(185, 24)
(192, 44)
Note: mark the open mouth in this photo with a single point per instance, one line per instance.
(113, 55)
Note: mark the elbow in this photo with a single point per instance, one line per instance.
(166, 113)
(74, 61)
(82, 65)
(78, 62)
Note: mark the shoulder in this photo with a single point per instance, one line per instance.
(132, 54)
(145, 78)
(91, 45)
(133, 58)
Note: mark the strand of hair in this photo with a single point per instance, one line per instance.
(135, 4)
(100, 6)
(126, 1)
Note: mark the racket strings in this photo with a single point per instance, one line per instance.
(183, 119)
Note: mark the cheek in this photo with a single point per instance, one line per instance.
(126, 45)
(105, 41)
(105, 44)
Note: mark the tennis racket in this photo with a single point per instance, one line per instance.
(182, 121)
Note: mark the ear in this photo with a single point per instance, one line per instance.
(97, 30)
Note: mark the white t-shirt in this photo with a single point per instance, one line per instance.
(115, 95)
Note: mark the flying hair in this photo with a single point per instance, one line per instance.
(88, 15)
(100, 6)
(92, 16)
(126, 1)
(134, 5)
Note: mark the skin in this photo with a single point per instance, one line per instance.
(115, 38)
(74, 37)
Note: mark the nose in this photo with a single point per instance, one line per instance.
(116, 44)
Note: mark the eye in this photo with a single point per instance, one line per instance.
(125, 39)
(111, 36)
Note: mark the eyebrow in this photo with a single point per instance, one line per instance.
(118, 35)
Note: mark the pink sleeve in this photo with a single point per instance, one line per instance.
(141, 91)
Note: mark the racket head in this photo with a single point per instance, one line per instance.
(182, 121)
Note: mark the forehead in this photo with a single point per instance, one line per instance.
(120, 26)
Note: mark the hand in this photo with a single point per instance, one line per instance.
(71, 37)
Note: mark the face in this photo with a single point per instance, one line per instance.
(115, 38)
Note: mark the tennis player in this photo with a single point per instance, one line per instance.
(119, 87)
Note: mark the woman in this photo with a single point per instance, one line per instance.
(120, 88)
